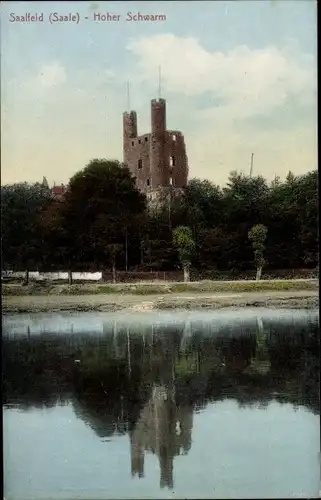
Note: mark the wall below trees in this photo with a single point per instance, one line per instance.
(135, 276)
(37, 276)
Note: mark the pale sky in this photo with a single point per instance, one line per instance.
(238, 76)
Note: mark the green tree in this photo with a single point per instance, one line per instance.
(58, 242)
(213, 245)
(257, 235)
(183, 241)
(102, 207)
(245, 203)
(293, 222)
(21, 207)
(305, 205)
(159, 252)
(203, 202)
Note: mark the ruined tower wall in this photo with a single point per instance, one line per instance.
(138, 160)
(129, 132)
(175, 154)
(157, 146)
(158, 160)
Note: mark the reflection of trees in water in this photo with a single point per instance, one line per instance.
(147, 382)
(36, 373)
(125, 362)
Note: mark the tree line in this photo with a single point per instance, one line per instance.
(104, 221)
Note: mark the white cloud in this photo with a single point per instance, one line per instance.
(109, 74)
(248, 81)
(52, 75)
(247, 85)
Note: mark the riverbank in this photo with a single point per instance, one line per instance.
(303, 299)
(157, 287)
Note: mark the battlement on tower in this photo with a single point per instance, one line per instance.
(157, 159)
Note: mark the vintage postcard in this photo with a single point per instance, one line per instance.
(160, 252)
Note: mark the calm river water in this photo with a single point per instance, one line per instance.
(168, 405)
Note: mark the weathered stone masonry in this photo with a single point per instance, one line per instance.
(158, 160)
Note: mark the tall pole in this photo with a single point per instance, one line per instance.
(128, 97)
(126, 249)
(251, 170)
(159, 82)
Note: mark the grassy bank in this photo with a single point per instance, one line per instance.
(212, 303)
(35, 289)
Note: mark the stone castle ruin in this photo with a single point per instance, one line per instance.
(158, 159)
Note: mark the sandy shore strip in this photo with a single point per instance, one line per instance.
(196, 301)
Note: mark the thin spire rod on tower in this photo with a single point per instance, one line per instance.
(159, 82)
(128, 97)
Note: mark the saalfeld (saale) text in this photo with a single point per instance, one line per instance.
(26, 18)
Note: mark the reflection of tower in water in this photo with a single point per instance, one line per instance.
(163, 428)
(137, 457)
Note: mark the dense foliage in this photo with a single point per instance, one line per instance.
(103, 222)
(21, 208)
